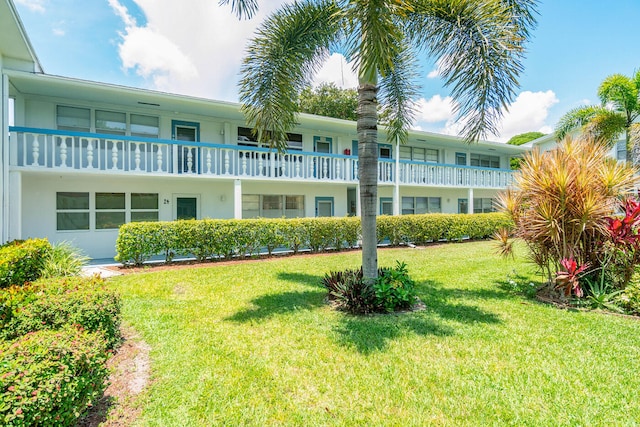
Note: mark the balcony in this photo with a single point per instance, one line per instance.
(54, 150)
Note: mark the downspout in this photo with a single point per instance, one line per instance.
(4, 158)
(396, 188)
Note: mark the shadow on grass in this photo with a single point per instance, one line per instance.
(373, 333)
(301, 278)
(275, 304)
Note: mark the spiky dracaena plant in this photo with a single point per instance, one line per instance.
(561, 199)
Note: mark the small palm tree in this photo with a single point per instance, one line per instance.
(478, 44)
(620, 108)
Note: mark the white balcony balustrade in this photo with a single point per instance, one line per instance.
(96, 153)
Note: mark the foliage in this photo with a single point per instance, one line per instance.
(63, 260)
(54, 303)
(224, 238)
(523, 138)
(22, 261)
(561, 201)
(602, 295)
(568, 280)
(393, 290)
(617, 114)
(330, 101)
(50, 377)
(629, 299)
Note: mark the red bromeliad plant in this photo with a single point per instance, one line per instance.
(568, 280)
(625, 242)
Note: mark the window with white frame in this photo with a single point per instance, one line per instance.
(272, 206)
(483, 205)
(110, 210)
(144, 207)
(111, 122)
(144, 126)
(421, 205)
(247, 138)
(73, 118)
(621, 150)
(72, 211)
(485, 160)
(418, 154)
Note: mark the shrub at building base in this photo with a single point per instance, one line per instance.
(47, 378)
(22, 261)
(227, 238)
(563, 206)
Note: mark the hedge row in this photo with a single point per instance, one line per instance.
(22, 261)
(221, 238)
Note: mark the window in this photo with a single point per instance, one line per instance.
(463, 206)
(485, 161)
(145, 126)
(108, 122)
(421, 205)
(73, 118)
(461, 159)
(272, 206)
(386, 206)
(419, 154)
(110, 210)
(246, 138)
(483, 205)
(72, 211)
(384, 151)
(111, 122)
(144, 207)
(621, 150)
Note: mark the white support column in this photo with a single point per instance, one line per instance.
(470, 201)
(237, 199)
(15, 206)
(4, 158)
(396, 187)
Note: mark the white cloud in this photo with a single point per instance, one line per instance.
(337, 70)
(59, 29)
(34, 5)
(435, 109)
(527, 113)
(193, 50)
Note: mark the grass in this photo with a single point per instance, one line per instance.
(254, 344)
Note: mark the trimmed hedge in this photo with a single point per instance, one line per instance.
(226, 238)
(22, 261)
(48, 378)
(54, 303)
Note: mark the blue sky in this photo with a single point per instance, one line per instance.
(194, 47)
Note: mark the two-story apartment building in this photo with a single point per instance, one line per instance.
(80, 158)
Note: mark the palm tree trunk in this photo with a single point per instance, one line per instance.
(368, 170)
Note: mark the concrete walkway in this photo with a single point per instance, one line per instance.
(105, 273)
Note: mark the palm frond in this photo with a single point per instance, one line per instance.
(479, 46)
(619, 91)
(575, 119)
(398, 90)
(242, 8)
(287, 50)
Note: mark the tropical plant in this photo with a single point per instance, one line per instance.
(560, 205)
(63, 260)
(619, 109)
(478, 45)
(523, 138)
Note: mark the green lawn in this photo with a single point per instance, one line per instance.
(255, 344)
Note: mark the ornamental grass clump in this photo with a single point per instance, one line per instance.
(562, 205)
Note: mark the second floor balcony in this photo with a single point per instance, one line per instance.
(55, 150)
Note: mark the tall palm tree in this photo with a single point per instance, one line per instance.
(478, 45)
(619, 109)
